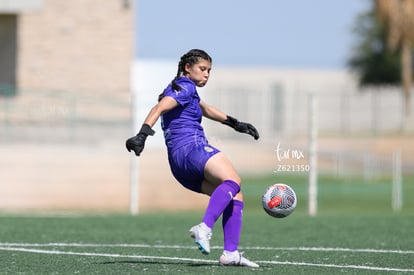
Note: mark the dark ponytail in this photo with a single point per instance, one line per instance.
(191, 57)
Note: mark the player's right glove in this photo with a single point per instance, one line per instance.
(242, 127)
(137, 142)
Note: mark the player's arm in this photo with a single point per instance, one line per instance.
(136, 143)
(164, 105)
(217, 115)
(212, 112)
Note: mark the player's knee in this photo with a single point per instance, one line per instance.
(236, 179)
(239, 196)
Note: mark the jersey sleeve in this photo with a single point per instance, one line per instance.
(184, 96)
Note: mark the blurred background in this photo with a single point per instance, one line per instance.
(77, 78)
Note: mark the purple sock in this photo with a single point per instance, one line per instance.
(219, 200)
(232, 224)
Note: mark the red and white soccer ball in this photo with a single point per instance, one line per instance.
(279, 200)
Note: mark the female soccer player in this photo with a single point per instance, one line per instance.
(196, 164)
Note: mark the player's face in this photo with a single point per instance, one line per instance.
(199, 72)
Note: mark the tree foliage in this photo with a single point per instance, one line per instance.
(372, 61)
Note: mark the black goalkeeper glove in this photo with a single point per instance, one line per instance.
(242, 127)
(137, 142)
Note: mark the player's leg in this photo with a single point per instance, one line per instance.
(218, 170)
(215, 171)
(232, 222)
(222, 183)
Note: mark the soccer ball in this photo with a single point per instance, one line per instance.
(279, 200)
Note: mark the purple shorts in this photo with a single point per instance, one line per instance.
(187, 164)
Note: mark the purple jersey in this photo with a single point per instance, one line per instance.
(182, 125)
(188, 149)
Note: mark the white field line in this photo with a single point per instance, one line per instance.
(321, 249)
(56, 252)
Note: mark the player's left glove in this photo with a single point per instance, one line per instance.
(137, 142)
(242, 127)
